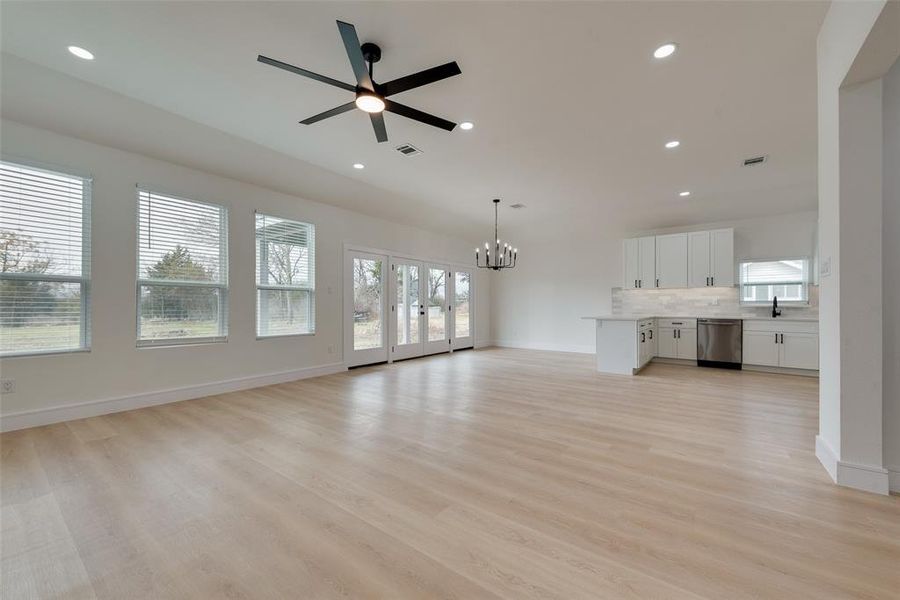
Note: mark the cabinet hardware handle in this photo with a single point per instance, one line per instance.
(657, 282)
(712, 281)
(707, 281)
(651, 334)
(776, 338)
(635, 283)
(643, 338)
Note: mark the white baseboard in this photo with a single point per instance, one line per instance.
(69, 412)
(541, 346)
(868, 478)
(894, 479)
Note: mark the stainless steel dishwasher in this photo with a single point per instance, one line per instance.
(720, 343)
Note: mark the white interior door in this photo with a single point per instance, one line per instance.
(365, 303)
(462, 308)
(437, 288)
(407, 309)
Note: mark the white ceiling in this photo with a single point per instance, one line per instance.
(571, 111)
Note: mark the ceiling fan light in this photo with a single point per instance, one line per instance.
(369, 103)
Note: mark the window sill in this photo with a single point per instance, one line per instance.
(174, 343)
(284, 335)
(5, 356)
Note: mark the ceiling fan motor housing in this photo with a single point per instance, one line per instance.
(371, 52)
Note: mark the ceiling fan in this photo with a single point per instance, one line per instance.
(372, 97)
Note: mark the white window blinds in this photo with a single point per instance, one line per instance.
(182, 270)
(285, 276)
(44, 260)
(763, 280)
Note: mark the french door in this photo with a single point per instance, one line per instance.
(397, 308)
(461, 308)
(365, 301)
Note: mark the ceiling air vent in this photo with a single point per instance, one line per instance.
(756, 160)
(517, 205)
(408, 150)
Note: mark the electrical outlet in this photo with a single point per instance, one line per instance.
(7, 386)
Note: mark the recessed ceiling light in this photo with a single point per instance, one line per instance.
(81, 53)
(665, 50)
(466, 125)
(684, 194)
(359, 166)
(673, 144)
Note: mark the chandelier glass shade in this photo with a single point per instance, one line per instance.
(496, 257)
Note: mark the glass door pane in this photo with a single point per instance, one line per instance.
(367, 303)
(408, 317)
(461, 308)
(437, 294)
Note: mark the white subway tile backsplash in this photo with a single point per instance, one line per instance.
(702, 302)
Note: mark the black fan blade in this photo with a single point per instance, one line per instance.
(378, 126)
(305, 73)
(419, 79)
(354, 53)
(417, 115)
(329, 113)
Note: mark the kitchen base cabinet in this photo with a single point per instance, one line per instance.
(677, 338)
(624, 346)
(784, 344)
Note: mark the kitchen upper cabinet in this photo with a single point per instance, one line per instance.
(721, 257)
(640, 262)
(698, 259)
(711, 258)
(672, 260)
(632, 253)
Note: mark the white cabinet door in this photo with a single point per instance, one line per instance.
(643, 348)
(698, 259)
(687, 344)
(668, 345)
(761, 348)
(671, 260)
(652, 342)
(647, 267)
(631, 253)
(721, 257)
(799, 350)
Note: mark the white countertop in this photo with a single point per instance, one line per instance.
(640, 317)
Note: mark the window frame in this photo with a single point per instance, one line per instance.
(805, 284)
(84, 280)
(268, 287)
(222, 287)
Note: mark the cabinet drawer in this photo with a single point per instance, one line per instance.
(777, 325)
(678, 323)
(645, 324)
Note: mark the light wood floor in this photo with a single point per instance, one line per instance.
(496, 473)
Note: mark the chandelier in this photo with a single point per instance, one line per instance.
(503, 257)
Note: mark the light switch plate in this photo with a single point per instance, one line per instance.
(825, 269)
(7, 386)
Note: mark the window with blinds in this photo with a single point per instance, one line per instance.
(45, 260)
(762, 280)
(285, 277)
(182, 285)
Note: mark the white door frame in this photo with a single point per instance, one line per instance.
(390, 255)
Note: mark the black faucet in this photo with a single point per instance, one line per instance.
(775, 310)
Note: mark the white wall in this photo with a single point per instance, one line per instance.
(540, 304)
(849, 443)
(891, 268)
(115, 368)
